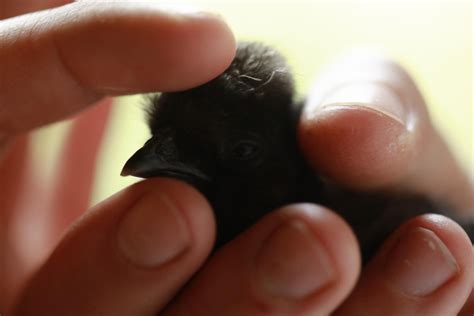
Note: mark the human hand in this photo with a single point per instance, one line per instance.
(371, 133)
(97, 270)
(58, 62)
(366, 126)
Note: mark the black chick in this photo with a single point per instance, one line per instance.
(234, 138)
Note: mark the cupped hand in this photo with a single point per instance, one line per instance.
(144, 250)
(365, 126)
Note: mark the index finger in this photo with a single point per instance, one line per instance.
(57, 62)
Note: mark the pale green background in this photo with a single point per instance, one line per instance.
(434, 41)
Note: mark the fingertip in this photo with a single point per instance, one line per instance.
(331, 256)
(425, 267)
(357, 146)
(165, 222)
(443, 258)
(309, 270)
(212, 52)
(365, 124)
(452, 235)
(194, 206)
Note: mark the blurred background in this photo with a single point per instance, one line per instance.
(433, 40)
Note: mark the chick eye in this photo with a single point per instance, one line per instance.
(245, 150)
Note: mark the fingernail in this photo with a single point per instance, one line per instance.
(153, 232)
(292, 262)
(420, 263)
(373, 96)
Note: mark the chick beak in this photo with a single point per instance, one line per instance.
(152, 161)
(141, 164)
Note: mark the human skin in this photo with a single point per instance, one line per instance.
(101, 267)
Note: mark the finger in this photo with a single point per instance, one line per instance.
(45, 209)
(77, 161)
(14, 180)
(14, 7)
(425, 268)
(289, 263)
(468, 309)
(128, 256)
(68, 57)
(366, 125)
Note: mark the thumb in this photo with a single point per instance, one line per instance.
(127, 256)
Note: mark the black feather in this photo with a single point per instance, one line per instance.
(234, 138)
